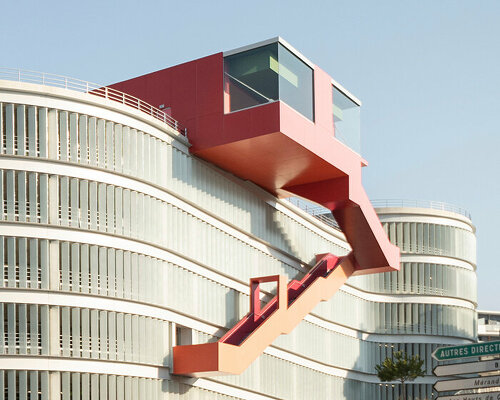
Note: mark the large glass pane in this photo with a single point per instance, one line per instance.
(296, 83)
(266, 74)
(346, 118)
(251, 78)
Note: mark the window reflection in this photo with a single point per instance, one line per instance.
(266, 74)
(346, 117)
(251, 77)
(296, 83)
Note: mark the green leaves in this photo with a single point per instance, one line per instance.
(401, 367)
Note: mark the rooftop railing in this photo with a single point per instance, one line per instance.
(325, 216)
(320, 213)
(41, 78)
(435, 205)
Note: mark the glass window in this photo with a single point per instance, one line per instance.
(266, 74)
(296, 83)
(346, 117)
(251, 78)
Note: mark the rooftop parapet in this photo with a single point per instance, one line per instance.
(430, 204)
(65, 82)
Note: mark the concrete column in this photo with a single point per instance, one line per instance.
(53, 205)
(55, 385)
(172, 337)
(54, 265)
(53, 135)
(53, 200)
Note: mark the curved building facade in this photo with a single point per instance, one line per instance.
(118, 245)
(433, 298)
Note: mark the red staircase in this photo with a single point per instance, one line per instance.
(258, 316)
(241, 345)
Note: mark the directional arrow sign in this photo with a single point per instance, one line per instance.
(467, 350)
(467, 368)
(470, 383)
(474, 396)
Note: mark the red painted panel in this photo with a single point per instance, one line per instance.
(252, 122)
(209, 85)
(321, 143)
(275, 147)
(182, 97)
(323, 101)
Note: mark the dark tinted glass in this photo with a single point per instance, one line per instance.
(251, 77)
(267, 74)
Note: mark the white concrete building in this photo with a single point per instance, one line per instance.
(488, 325)
(117, 244)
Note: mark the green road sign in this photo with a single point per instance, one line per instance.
(467, 350)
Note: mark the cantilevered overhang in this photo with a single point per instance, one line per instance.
(286, 150)
(276, 147)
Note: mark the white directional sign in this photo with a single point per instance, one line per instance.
(470, 383)
(474, 396)
(467, 368)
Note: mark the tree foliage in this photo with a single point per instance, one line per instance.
(400, 368)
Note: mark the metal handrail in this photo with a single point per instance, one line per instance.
(435, 205)
(320, 213)
(65, 82)
(249, 88)
(308, 207)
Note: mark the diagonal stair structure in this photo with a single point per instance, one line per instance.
(241, 345)
(371, 253)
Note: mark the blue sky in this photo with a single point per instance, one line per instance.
(427, 71)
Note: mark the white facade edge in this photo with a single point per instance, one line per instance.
(408, 298)
(444, 260)
(33, 363)
(84, 103)
(403, 211)
(427, 219)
